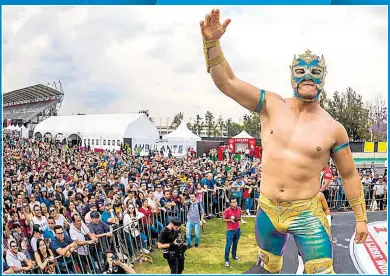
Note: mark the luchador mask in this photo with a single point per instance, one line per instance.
(308, 67)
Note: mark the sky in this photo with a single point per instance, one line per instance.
(121, 59)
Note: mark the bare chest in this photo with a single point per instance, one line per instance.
(309, 136)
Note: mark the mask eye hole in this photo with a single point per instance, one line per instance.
(299, 71)
(316, 71)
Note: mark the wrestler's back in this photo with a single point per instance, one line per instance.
(296, 146)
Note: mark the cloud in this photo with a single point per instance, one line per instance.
(120, 59)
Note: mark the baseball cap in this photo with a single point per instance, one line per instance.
(95, 214)
(37, 228)
(176, 221)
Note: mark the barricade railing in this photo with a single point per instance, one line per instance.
(131, 242)
(375, 197)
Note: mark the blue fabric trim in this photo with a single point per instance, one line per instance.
(261, 101)
(338, 148)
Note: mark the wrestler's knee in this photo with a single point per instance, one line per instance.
(319, 266)
(271, 262)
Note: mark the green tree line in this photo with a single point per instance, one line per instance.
(364, 121)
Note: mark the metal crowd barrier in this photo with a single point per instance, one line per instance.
(336, 199)
(133, 241)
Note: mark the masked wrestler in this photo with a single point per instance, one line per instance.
(298, 139)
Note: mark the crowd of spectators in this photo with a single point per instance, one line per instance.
(62, 205)
(374, 187)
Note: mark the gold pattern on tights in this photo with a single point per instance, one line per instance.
(282, 214)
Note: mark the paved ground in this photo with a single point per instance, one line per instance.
(342, 228)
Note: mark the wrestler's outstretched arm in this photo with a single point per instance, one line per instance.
(351, 181)
(244, 93)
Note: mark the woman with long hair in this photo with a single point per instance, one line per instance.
(135, 237)
(71, 210)
(45, 258)
(45, 212)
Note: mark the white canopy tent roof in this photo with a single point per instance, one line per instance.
(182, 133)
(106, 125)
(243, 135)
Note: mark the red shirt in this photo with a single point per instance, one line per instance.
(148, 213)
(229, 212)
(327, 174)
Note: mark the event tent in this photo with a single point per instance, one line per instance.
(105, 131)
(243, 135)
(177, 142)
(182, 133)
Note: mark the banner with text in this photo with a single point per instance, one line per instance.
(178, 148)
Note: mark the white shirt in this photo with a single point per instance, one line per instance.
(379, 188)
(79, 235)
(60, 220)
(158, 195)
(42, 222)
(15, 261)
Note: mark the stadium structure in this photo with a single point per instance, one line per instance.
(31, 105)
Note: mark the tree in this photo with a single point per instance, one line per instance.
(235, 128)
(378, 118)
(221, 125)
(177, 120)
(146, 112)
(198, 125)
(252, 124)
(209, 121)
(228, 125)
(324, 100)
(348, 108)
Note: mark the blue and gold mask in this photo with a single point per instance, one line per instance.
(308, 67)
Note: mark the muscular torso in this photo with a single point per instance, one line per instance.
(296, 146)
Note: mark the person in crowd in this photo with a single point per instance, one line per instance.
(44, 257)
(63, 247)
(115, 266)
(232, 217)
(195, 217)
(17, 260)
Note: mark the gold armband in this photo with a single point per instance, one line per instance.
(359, 201)
(210, 62)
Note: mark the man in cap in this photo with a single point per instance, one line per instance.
(172, 245)
(109, 216)
(36, 234)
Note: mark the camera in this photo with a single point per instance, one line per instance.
(233, 218)
(179, 239)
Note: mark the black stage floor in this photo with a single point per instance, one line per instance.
(342, 230)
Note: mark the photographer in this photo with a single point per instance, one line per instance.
(115, 266)
(173, 246)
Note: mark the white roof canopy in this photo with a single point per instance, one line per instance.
(243, 135)
(105, 125)
(182, 133)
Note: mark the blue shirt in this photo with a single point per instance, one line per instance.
(193, 212)
(106, 216)
(56, 244)
(210, 183)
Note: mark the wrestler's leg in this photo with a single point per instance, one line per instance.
(311, 232)
(270, 241)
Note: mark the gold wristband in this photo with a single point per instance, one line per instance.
(210, 62)
(359, 201)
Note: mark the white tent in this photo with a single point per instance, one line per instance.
(105, 131)
(182, 133)
(177, 142)
(243, 135)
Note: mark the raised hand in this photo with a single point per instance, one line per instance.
(211, 28)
